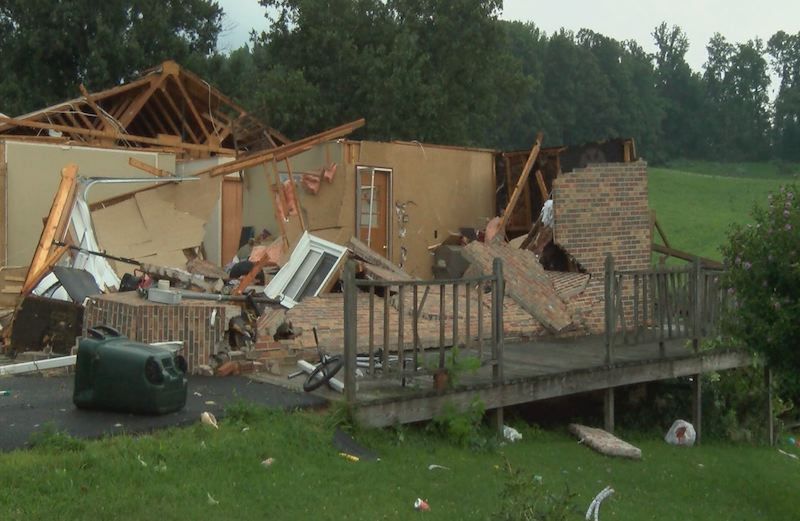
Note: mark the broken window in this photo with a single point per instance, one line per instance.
(311, 266)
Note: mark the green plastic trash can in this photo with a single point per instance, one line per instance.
(115, 373)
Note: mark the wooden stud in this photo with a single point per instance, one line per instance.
(608, 410)
(523, 180)
(386, 330)
(350, 331)
(401, 354)
(415, 327)
(372, 330)
(441, 326)
(697, 406)
(455, 315)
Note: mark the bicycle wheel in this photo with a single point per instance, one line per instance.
(323, 373)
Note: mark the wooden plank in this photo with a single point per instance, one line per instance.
(521, 182)
(672, 252)
(138, 103)
(368, 254)
(150, 169)
(282, 152)
(426, 405)
(56, 224)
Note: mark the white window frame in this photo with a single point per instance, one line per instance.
(307, 243)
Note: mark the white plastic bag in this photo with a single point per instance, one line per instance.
(681, 433)
(511, 434)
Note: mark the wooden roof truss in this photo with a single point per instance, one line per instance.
(168, 108)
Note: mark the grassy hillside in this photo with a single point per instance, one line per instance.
(696, 202)
(196, 473)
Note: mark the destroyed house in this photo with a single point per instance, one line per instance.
(403, 209)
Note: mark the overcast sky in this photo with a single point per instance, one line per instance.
(737, 20)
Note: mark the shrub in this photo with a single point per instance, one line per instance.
(462, 428)
(525, 498)
(763, 281)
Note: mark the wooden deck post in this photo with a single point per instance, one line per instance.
(770, 412)
(350, 332)
(609, 308)
(697, 406)
(608, 410)
(497, 341)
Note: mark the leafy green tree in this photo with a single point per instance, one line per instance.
(682, 93)
(784, 50)
(763, 261)
(49, 47)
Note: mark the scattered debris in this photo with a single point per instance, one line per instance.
(206, 418)
(434, 466)
(681, 433)
(594, 506)
(793, 456)
(268, 462)
(421, 505)
(211, 500)
(511, 434)
(349, 457)
(604, 442)
(346, 444)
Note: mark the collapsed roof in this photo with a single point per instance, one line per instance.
(168, 107)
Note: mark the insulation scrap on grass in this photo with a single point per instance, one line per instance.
(604, 442)
(526, 282)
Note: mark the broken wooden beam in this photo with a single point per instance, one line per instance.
(54, 228)
(285, 151)
(678, 254)
(523, 179)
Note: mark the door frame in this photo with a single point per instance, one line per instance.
(389, 198)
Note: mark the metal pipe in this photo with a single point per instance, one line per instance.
(219, 297)
(89, 182)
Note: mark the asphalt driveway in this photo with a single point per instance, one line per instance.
(35, 402)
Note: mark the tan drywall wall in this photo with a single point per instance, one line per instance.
(34, 172)
(449, 187)
(443, 188)
(320, 211)
(212, 240)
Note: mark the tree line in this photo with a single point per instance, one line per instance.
(439, 72)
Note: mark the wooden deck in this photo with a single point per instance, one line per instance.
(532, 371)
(538, 371)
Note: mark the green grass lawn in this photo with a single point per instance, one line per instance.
(697, 203)
(172, 474)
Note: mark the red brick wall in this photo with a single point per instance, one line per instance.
(200, 325)
(602, 209)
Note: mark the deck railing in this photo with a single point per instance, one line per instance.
(398, 307)
(661, 304)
